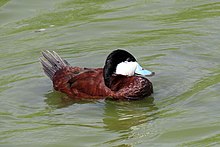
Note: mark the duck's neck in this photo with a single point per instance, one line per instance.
(113, 59)
(107, 72)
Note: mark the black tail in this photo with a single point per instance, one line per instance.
(51, 63)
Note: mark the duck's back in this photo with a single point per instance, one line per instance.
(79, 82)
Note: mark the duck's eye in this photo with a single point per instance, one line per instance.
(128, 59)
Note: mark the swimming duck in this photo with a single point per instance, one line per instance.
(121, 78)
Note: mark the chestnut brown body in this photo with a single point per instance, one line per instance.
(79, 82)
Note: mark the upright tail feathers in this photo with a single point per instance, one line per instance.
(51, 63)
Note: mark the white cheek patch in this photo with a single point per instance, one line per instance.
(126, 68)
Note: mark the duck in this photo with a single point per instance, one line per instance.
(122, 77)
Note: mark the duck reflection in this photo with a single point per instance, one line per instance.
(118, 116)
(58, 100)
(121, 116)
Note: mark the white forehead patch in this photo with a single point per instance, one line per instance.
(126, 68)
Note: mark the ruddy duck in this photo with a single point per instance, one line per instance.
(121, 78)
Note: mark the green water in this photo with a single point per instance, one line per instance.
(179, 40)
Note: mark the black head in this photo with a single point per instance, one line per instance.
(113, 59)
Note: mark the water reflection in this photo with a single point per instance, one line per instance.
(118, 116)
(121, 116)
(58, 100)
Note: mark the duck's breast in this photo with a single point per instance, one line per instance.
(133, 87)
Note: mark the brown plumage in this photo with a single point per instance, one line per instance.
(91, 83)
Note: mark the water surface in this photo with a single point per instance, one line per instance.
(179, 40)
